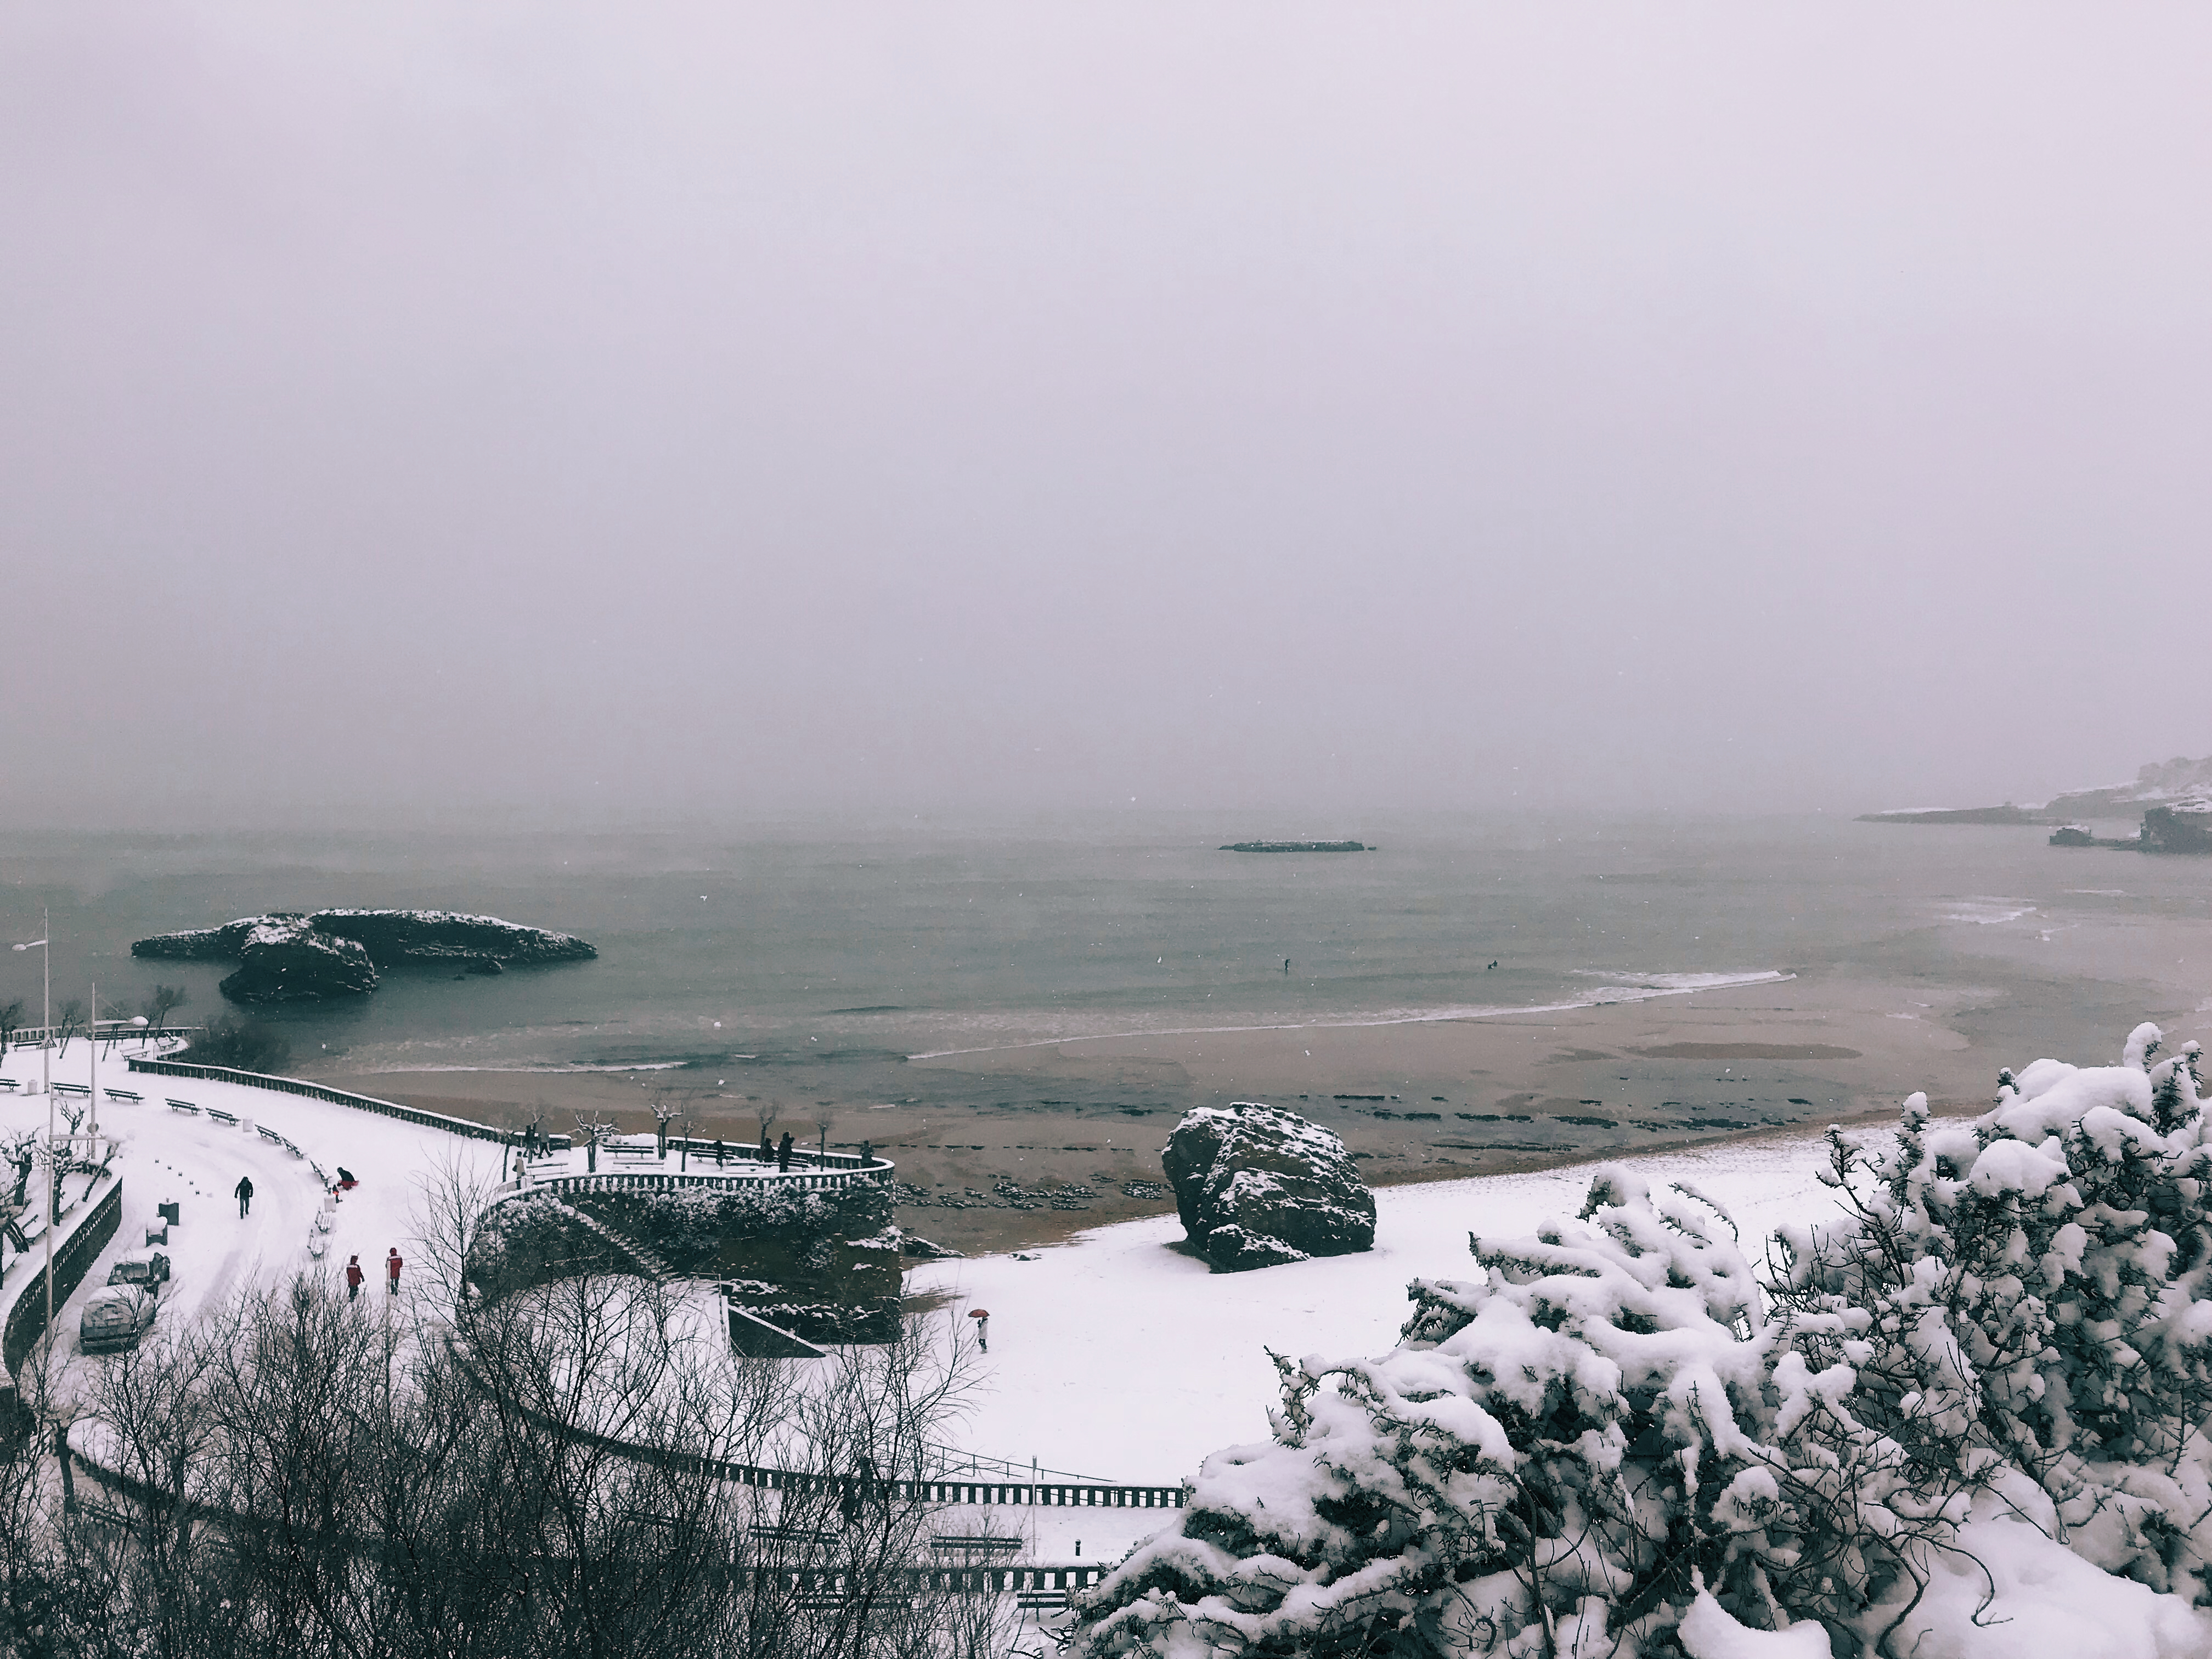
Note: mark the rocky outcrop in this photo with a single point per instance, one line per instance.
(2184, 827)
(285, 960)
(390, 937)
(2006, 814)
(1297, 847)
(397, 936)
(1257, 1186)
(289, 956)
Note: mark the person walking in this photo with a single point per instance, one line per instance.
(392, 1273)
(244, 1191)
(720, 1151)
(766, 1151)
(783, 1152)
(353, 1278)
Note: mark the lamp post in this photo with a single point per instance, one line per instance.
(46, 1084)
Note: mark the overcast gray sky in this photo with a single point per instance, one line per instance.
(562, 410)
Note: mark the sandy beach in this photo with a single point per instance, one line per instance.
(1019, 1145)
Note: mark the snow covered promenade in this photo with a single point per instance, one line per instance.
(197, 1160)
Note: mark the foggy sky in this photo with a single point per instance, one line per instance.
(562, 413)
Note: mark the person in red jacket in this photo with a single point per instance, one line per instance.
(392, 1273)
(353, 1277)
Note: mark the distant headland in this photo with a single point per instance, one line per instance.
(289, 956)
(1297, 847)
(2174, 798)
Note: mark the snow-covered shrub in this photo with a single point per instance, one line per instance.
(1553, 1461)
(1619, 1425)
(2031, 1286)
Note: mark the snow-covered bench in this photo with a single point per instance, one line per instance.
(123, 1095)
(977, 1544)
(183, 1106)
(74, 1091)
(221, 1116)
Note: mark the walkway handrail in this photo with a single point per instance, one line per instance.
(849, 1166)
(292, 1085)
(641, 1181)
(972, 1578)
(929, 1489)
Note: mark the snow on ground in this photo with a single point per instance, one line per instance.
(1112, 1355)
(197, 1161)
(1119, 1357)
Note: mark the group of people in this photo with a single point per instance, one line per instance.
(392, 1266)
(346, 1183)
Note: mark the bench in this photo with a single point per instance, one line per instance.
(795, 1535)
(74, 1091)
(276, 1139)
(976, 1545)
(122, 1094)
(220, 1117)
(183, 1106)
(9, 1083)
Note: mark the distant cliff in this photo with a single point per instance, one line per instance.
(2165, 783)
(2173, 784)
(291, 958)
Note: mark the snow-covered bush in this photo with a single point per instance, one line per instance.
(1556, 1458)
(1619, 1425)
(2033, 1287)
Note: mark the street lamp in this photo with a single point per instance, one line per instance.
(46, 1084)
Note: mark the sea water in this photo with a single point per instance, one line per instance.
(827, 948)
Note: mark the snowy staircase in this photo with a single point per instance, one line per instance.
(648, 1264)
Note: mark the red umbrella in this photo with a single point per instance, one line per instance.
(979, 1313)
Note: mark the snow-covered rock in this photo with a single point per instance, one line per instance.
(289, 957)
(390, 937)
(1257, 1186)
(284, 959)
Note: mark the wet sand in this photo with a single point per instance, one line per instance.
(1019, 1147)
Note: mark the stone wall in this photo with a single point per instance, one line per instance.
(27, 1320)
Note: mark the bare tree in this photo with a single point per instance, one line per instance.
(71, 1021)
(594, 1126)
(11, 1021)
(164, 1001)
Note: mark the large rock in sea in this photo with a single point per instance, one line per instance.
(390, 937)
(1256, 1186)
(291, 958)
(285, 960)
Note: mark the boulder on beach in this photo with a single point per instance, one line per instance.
(1257, 1186)
(285, 960)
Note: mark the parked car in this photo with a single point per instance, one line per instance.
(148, 1268)
(115, 1317)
